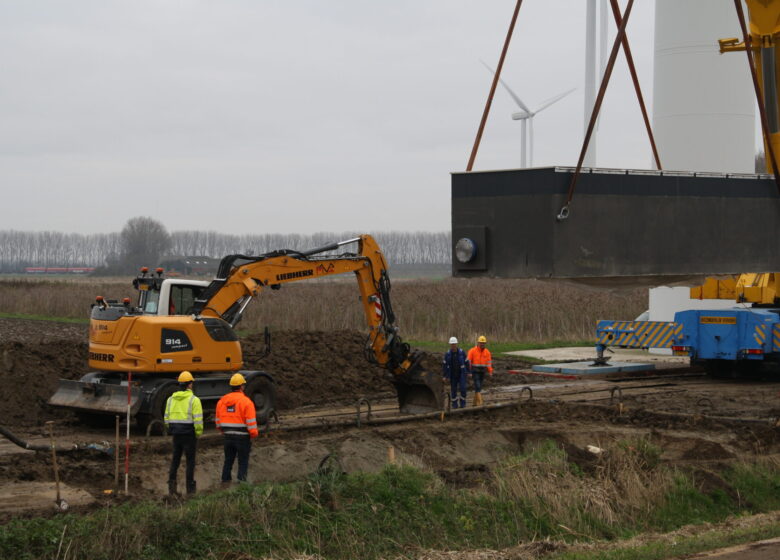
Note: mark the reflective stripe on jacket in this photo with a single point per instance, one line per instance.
(461, 361)
(480, 357)
(184, 414)
(236, 415)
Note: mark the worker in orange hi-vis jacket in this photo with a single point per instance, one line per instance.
(481, 362)
(237, 420)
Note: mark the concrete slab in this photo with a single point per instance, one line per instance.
(585, 368)
(582, 353)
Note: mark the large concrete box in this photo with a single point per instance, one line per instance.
(621, 223)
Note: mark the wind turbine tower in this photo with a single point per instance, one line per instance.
(592, 55)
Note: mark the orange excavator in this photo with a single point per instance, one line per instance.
(138, 350)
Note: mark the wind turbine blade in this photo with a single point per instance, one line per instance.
(514, 96)
(555, 99)
(531, 142)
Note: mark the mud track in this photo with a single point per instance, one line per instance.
(321, 374)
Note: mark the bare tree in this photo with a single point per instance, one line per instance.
(143, 241)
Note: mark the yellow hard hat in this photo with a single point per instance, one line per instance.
(237, 380)
(185, 377)
(482, 339)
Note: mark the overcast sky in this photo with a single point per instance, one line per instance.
(253, 116)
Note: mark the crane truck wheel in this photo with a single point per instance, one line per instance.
(262, 391)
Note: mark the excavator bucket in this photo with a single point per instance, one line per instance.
(420, 391)
(95, 397)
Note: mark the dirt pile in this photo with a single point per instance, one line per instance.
(33, 356)
(310, 368)
(316, 367)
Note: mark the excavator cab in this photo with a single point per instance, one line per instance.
(166, 296)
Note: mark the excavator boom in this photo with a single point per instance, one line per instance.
(241, 278)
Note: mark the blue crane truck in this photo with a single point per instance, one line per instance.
(736, 342)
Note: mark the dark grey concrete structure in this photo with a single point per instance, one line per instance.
(621, 223)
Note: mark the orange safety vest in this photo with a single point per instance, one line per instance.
(236, 415)
(480, 357)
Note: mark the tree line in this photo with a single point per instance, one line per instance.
(145, 242)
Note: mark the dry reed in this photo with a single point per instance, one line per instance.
(504, 310)
(623, 486)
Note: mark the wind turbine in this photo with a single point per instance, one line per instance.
(526, 118)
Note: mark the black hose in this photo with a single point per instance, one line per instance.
(44, 447)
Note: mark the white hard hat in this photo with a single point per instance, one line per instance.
(453, 340)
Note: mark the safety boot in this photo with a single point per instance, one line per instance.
(172, 488)
(477, 399)
(191, 487)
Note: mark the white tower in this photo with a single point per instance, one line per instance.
(703, 102)
(594, 54)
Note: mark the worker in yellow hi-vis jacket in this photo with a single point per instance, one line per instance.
(184, 420)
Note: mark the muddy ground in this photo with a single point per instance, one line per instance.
(310, 368)
(324, 371)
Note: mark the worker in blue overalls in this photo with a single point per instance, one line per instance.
(456, 368)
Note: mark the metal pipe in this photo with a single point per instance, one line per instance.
(329, 247)
(240, 314)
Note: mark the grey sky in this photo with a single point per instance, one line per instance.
(251, 116)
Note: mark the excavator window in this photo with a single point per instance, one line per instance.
(182, 299)
(151, 301)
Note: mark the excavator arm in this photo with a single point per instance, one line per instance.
(241, 278)
(126, 339)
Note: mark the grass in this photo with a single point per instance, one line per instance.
(541, 494)
(27, 316)
(497, 348)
